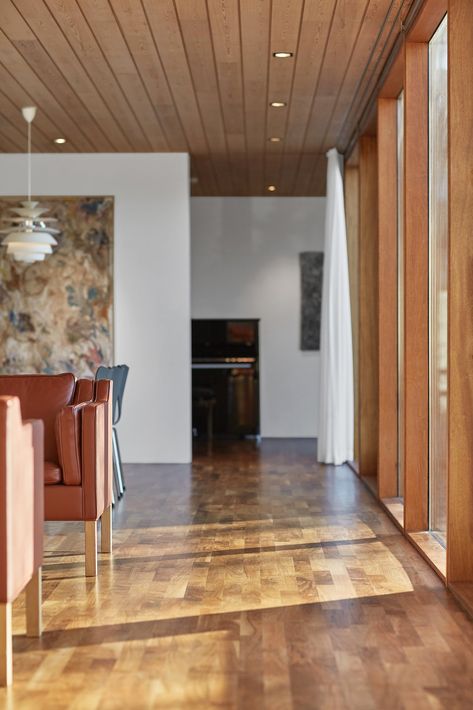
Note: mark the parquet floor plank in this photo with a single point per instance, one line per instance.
(254, 580)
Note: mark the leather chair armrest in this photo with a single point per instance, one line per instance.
(68, 439)
(38, 446)
(104, 393)
(21, 490)
(84, 391)
(94, 453)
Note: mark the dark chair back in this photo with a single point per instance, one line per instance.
(118, 374)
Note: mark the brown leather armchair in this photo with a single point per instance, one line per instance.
(77, 421)
(21, 524)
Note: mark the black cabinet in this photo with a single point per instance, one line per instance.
(225, 377)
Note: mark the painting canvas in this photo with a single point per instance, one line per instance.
(57, 315)
(311, 264)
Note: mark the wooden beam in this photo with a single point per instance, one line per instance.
(460, 298)
(427, 21)
(368, 313)
(352, 208)
(416, 282)
(394, 83)
(387, 294)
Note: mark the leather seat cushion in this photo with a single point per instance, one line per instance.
(52, 474)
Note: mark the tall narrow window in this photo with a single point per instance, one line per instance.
(438, 279)
(400, 293)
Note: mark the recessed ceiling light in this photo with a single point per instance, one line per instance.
(274, 139)
(271, 188)
(283, 55)
(277, 104)
(60, 140)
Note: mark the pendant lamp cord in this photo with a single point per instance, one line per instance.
(29, 162)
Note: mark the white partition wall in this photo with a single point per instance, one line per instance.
(151, 283)
(245, 264)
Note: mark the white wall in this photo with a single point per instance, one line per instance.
(245, 264)
(151, 281)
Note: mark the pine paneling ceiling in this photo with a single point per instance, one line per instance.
(197, 76)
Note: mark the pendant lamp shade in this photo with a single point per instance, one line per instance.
(29, 237)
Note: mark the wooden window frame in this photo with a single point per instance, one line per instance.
(387, 297)
(409, 72)
(416, 287)
(460, 299)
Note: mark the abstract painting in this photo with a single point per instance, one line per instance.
(57, 315)
(311, 264)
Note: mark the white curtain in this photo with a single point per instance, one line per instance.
(335, 441)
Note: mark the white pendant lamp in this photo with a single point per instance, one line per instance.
(29, 238)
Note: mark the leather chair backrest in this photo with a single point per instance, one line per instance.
(41, 397)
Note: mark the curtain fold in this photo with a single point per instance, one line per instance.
(336, 408)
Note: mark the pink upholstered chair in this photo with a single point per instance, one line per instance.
(21, 524)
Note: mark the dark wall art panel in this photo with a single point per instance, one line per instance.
(311, 265)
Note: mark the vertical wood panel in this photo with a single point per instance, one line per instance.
(387, 289)
(195, 28)
(416, 281)
(460, 316)
(368, 314)
(372, 25)
(314, 33)
(136, 32)
(108, 34)
(255, 18)
(224, 21)
(352, 209)
(76, 30)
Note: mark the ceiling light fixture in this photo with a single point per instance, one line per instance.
(60, 141)
(271, 188)
(277, 104)
(283, 55)
(29, 239)
(274, 139)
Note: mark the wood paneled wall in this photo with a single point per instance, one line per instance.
(460, 349)
(368, 306)
(387, 290)
(416, 283)
(352, 214)
(377, 258)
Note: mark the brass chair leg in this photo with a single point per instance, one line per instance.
(34, 624)
(106, 530)
(90, 548)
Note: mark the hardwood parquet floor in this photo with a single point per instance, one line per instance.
(254, 579)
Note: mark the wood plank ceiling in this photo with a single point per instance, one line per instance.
(197, 76)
